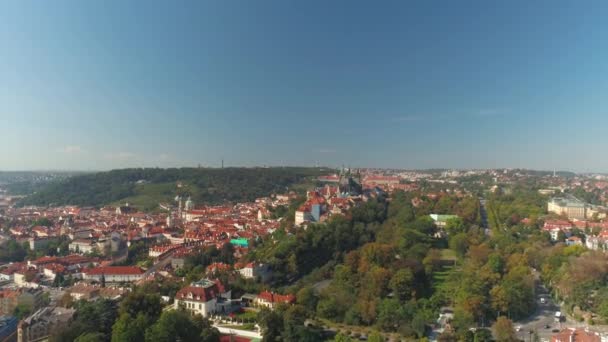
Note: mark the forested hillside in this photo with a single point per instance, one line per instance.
(147, 187)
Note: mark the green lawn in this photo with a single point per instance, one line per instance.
(440, 277)
(448, 254)
(247, 315)
(148, 196)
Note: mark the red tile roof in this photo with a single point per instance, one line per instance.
(201, 294)
(576, 335)
(276, 298)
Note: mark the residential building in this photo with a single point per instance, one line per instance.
(574, 240)
(27, 297)
(41, 323)
(114, 274)
(83, 246)
(204, 297)
(271, 299)
(303, 214)
(30, 298)
(41, 243)
(91, 292)
(8, 301)
(255, 270)
(577, 335)
(554, 227)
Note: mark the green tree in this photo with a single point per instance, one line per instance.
(503, 330)
(375, 337)
(307, 298)
(390, 315)
(91, 337)
(271, 324)
(342, 338)
(208, 333)
(455, 225)
(459, 244)
(129, 329)
(482, 335)
(402, 284)
(175, 325)
(22, 311)
(139, 302)
(293, 326)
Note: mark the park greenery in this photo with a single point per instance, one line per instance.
(384, 267)
(145, 188)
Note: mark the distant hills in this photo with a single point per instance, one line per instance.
(27, 182)
(145, 188)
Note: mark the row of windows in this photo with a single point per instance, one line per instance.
(193, 306)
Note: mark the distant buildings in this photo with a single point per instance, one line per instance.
(573, 208)
(570, 207)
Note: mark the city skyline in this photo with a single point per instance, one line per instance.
(399, 85)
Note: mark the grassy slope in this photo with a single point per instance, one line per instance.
(204, 185)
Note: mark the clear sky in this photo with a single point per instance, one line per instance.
(456, 84)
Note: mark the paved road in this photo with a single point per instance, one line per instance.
(543, 320)
(483, 213)
(159, 266)
(543, 316)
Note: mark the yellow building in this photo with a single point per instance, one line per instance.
(570, 207)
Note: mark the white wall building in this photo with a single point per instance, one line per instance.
(204, 297)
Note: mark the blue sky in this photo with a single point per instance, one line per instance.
(457, 84)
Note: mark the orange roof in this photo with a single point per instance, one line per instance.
(576, 335)
(271, 297)
(201, 294)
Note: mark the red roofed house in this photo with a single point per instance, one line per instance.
(218, 267)
(576, 335)
(203, 297)
(556, 226)
(114, 274)
(271, 300)
(574, 240)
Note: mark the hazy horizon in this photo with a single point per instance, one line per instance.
(292, 166)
